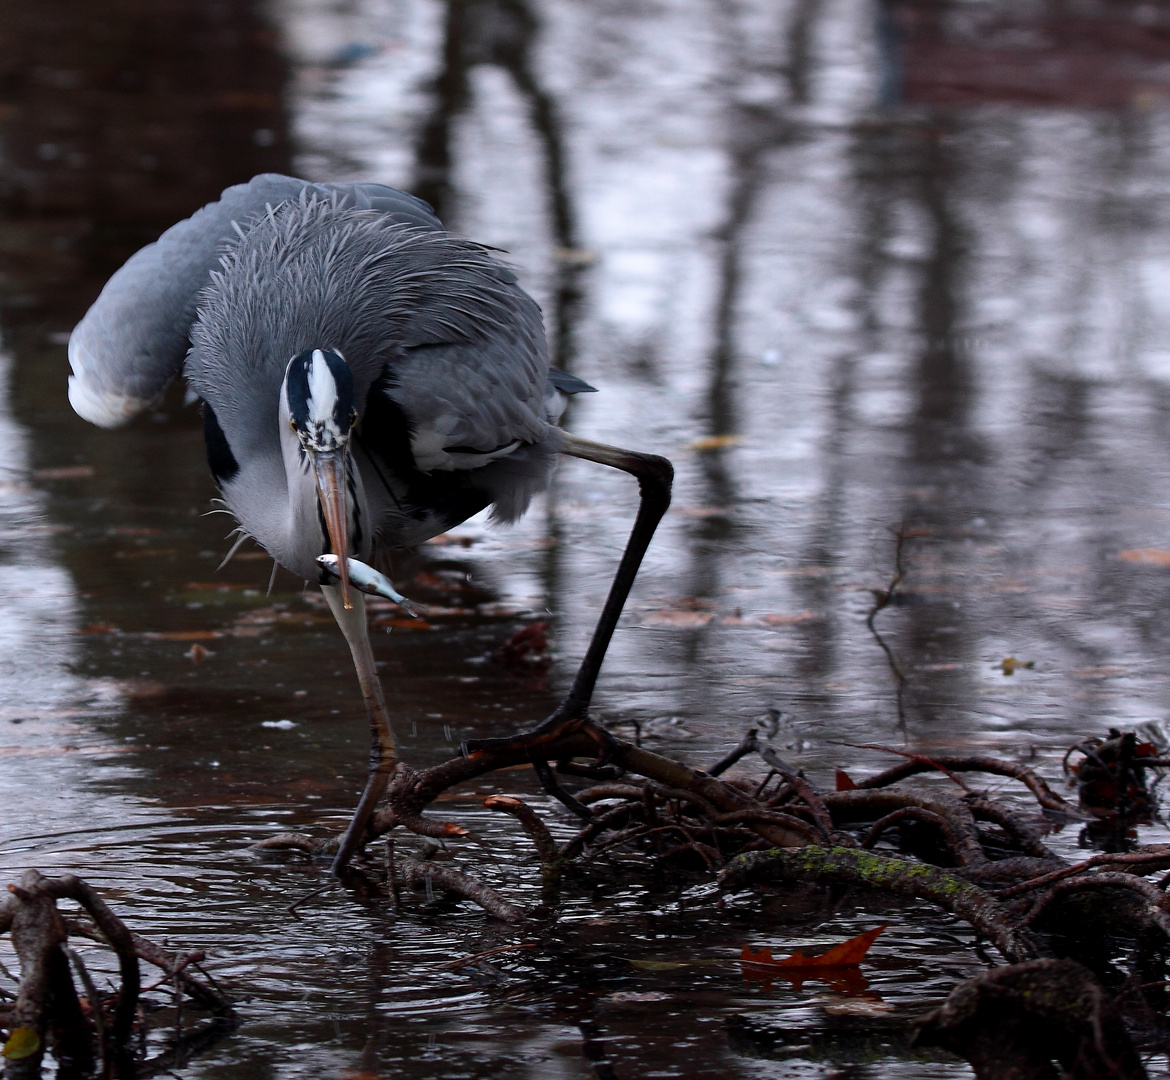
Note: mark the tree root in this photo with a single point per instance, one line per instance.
(551, 861)
(967, 853)
(1012, 1022)
(48, 1010)
(1153, 910)
(847, 866)
(424, 874)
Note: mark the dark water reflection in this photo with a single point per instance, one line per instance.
(839, 319)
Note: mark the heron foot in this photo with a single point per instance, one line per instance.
(542, 736)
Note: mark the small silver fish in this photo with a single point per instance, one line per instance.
(368, 580)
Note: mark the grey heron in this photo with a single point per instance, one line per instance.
(366, 379)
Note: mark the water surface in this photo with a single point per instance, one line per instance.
(846, 299)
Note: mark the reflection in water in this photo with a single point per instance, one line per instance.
(119, 119)
(502, 33)
(42, 701)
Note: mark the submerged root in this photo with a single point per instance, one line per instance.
(1015, 1021)
(425, 875)
(48, 1012)
(963, 851)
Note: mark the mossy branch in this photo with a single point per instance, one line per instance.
(848, 866)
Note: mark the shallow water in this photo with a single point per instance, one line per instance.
(845, 298)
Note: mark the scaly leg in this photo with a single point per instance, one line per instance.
(654, 475)
(383, 751)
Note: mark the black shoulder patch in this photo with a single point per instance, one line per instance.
(219, 454)
(385, 429)
(444, 499)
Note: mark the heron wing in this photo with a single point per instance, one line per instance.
(132, 341)
(474, 401)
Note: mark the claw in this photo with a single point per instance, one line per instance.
(368, 580)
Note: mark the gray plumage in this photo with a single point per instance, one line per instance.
(364, 377)
(447, 354)
(132, 341)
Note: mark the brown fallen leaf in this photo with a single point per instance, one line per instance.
(848, 954)
(1145, 556)
(528, 647)
(447, 581)
(785, 620)
(1010, 665)
(844, 780)
(197, 653)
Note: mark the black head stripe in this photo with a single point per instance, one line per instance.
(320, 395)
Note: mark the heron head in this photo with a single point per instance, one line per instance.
(321, 411)
(321, 406)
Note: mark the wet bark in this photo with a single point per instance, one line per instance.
(48, 1013)
(1012, 1023)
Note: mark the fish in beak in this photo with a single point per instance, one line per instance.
(368, 580)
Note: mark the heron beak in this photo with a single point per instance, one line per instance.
(331, 489)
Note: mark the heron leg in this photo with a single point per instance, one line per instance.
(383, 751)
(654, 475)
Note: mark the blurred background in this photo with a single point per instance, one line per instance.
(888, 281)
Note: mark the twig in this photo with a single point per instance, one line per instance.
(412, 790)
(571, 848)
(418, 873)
(764, 783)
(746, 746)
(1159, 859)
(609, 791)
(918, 813)
(464, 961)
(858, 805)
(928, 763)
(550, 858)
(208, 996)
(120, 940)
(292, 908)
(96, 1010)
(1045, 796)
(986, 810)
(291, 841)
